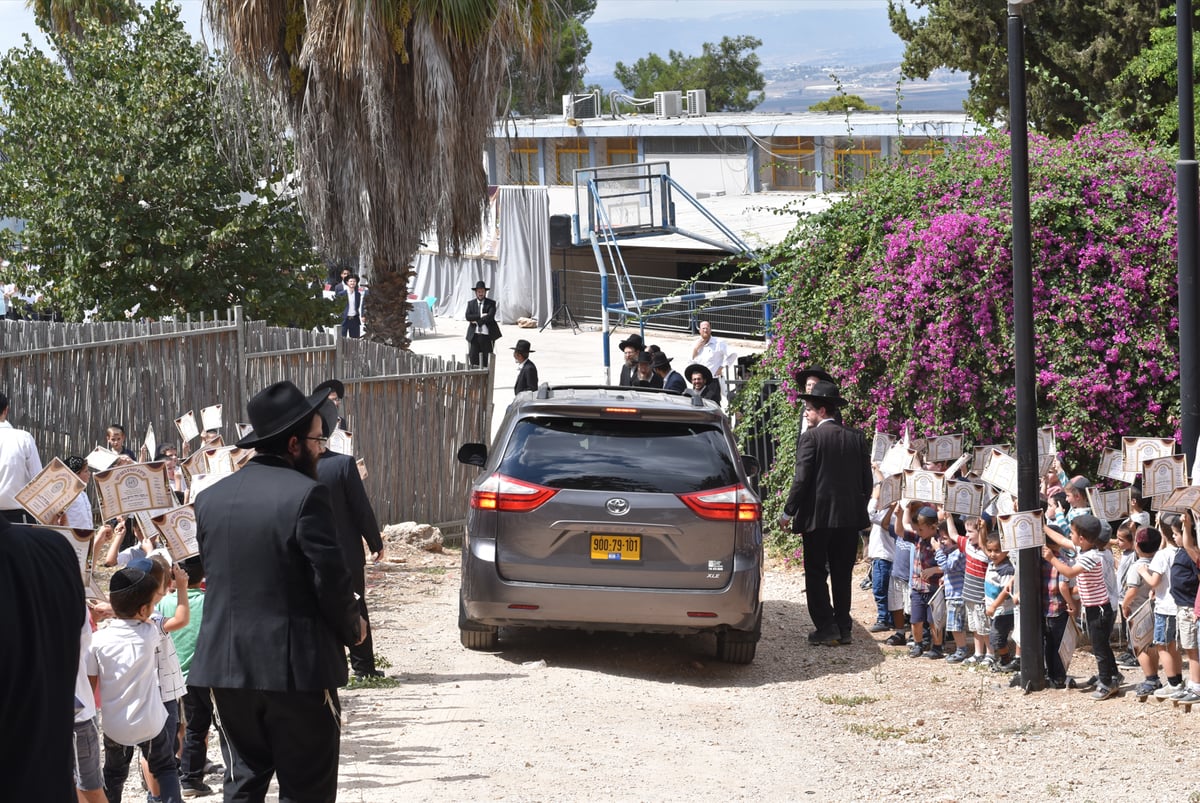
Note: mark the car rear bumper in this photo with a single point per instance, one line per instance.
(488, 599)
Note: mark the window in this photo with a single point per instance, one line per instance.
(523, 162)
(789, 163)
(852, 160)
(622, 151)
(730, 146)
(619, 455)
(569, 155)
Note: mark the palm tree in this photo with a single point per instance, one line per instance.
(388, 103)
(61, 17)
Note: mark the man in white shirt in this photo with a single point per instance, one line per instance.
(352, 317)
(19, 464)
(710, 351)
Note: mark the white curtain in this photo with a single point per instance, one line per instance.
(520, 279)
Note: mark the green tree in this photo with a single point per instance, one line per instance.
(541, 91)
(1073, 48)
(728, 71)
(389, 104)
(843, 103)
(125, 198)
(1145, 93)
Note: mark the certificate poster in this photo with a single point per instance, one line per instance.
(50, 492)
(982, 455)
(1001, 472)
(1109, 505)
(891, 490)
(964, 497)
(925, 486)
(342, 442)
(210, 418)
(362, 468)
(1045, 440)
(243, 430)
(1138, 450)
(186, 424)
(220, 461)
(897, 459)
(944, 448)
(101, 459)
(1112, 465)
(1162, 475)
(1182, 499)
(81, 544)
(879, 446)
(178, 527)
(92, 589)
(128, 489)
(1021, 530)
(150, 443)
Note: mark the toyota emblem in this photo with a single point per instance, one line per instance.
(617, 506)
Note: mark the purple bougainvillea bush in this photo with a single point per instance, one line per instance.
(903, 291)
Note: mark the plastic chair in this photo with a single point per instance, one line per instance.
(431, 300)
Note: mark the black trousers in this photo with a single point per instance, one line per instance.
(480, 351)
(835, 548)
(294, 736)
(362, 656)
(352, 326)
(198, 713)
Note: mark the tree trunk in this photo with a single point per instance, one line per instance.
(387, 309)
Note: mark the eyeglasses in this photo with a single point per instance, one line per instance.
(323, 441)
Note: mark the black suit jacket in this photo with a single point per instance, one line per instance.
(628, 375)
(475, 311)
(833, 480)
(353, 518)
(527, 378)
(280, 607)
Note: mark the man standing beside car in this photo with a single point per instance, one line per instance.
(828, 504)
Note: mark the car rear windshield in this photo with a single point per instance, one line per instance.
(619, 455)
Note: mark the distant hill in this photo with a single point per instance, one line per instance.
(799, 50)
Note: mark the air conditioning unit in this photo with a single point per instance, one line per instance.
(668, 104)
(581, 107)
(697, 103)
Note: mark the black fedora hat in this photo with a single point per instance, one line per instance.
(803, 374)
(522, 347)
(273, 410)
(646, 357)
(481, 285)
(660, 360)
(693, 368)
(333, 385)
(634, 340)
(824, 394)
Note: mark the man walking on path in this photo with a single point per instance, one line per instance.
(19, 464)
(828, 504)
(279, 609)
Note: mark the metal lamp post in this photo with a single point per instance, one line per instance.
(1186, 223)
(1029, 579)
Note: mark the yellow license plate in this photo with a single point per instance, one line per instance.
(616, 547)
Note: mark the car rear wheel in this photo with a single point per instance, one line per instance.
(739, 646)
(474, 635)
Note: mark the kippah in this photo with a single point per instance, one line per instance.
(125, 579)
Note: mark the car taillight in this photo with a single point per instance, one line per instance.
(734, 503)
(499, 492)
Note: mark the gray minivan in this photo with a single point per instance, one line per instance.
(604, 508)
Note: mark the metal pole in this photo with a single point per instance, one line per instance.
(1029, 578)
(1186, 210)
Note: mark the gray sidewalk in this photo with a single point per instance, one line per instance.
(561, 355)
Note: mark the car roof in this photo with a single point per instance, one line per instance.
(574, 399)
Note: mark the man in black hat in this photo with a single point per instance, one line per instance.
(702, 382)
(671, 380)
(527, 378)
(482, 331)
(828, 504)
(630, 347)
(644, 376)
(279, 608)
(808, 377)
(337, 394)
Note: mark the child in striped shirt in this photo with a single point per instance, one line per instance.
(1089, 571)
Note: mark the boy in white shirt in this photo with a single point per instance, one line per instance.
(122, 663)
(1158, 576)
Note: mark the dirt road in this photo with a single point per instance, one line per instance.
(560, 716)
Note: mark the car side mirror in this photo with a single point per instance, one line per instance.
(751, 466)
(473, 454)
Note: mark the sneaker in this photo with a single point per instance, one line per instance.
(1169, 690)
(1146, 688)
(1051, 683)
(987, 662)
(1189, 697)
(1127, 660)
(935, 652)
(1085, 685)
(915, 651)
(195, 788)
(897, 639)
(879, 627)
(959, 656)
(1011, 666)
(970, 661)
(1103, 692)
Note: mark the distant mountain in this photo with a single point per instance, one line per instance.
(799, 51)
